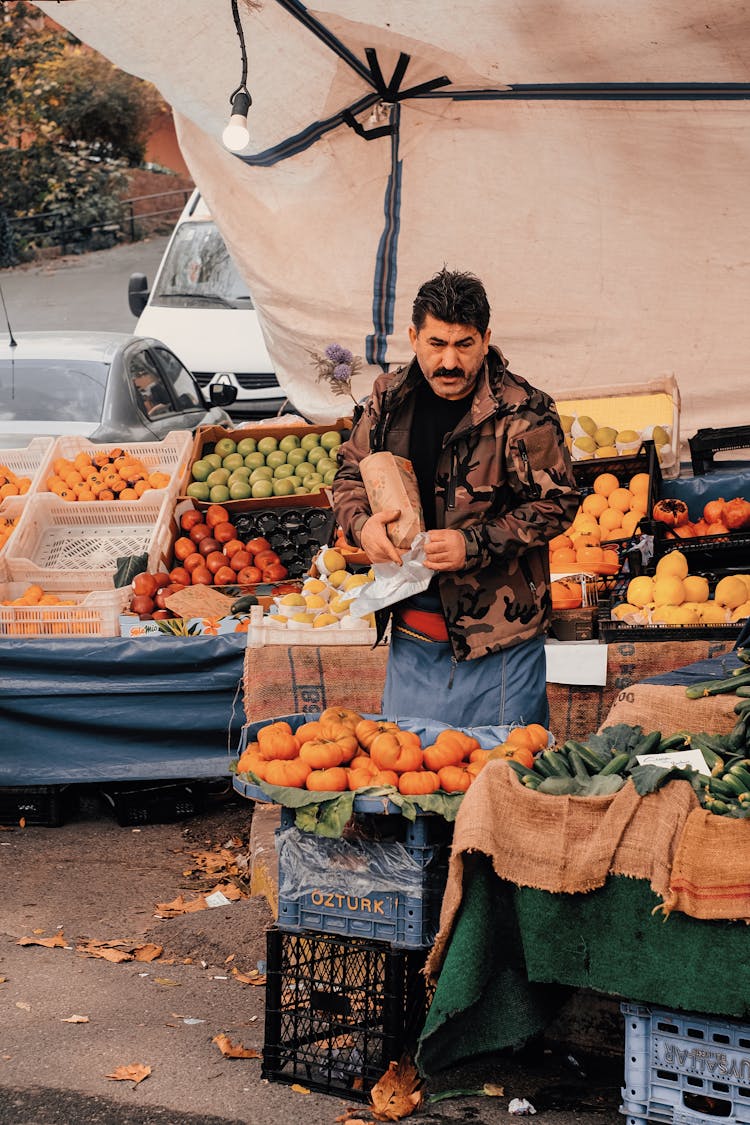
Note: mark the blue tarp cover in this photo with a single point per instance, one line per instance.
(86, 711)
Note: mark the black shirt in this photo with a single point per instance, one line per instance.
(434, 417)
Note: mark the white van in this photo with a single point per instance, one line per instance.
(202, 309)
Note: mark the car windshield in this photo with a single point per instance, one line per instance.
(198, 271)
(52, 390)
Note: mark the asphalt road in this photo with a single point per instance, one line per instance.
(87, 291)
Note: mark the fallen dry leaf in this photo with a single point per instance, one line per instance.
(134, 1073)
(492, 1090)
(75, 1019)
(107, 950)
(231, 957)
(167, 982)
(180, 905)
(22, 822)
(3, 980)
(56, 942)
(253, 977)
(23, 1005)
(397, 1093)
(148, 952)
(299, 1089)
(232, 1050)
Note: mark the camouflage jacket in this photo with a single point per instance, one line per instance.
(504, 479)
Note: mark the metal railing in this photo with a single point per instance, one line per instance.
(58, 228)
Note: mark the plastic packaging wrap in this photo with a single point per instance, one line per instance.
(308, 862)
(393, 583)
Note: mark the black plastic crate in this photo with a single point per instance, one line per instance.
(339, 1010)
(45, 806)
(155, 803)
(706, 554)
(295, 534)
(706, 442)
(612, 631)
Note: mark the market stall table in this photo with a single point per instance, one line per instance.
(81, 710)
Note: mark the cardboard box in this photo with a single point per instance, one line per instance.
(634, 406)
(207, 436)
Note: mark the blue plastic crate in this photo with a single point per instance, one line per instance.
(377, 913)
(684, 1068)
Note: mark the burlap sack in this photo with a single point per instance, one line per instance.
(286, 680)
(711, 870)
(564, 845)
(668, 709)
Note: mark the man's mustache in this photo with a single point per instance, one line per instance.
(449, 373)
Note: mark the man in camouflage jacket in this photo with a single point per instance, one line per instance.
(503, 483)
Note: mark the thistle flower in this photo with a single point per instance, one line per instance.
(337, 366)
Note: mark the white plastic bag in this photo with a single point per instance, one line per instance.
(393, 583)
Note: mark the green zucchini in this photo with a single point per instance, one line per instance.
(649, 744)
(720, 808)
(519, 768)
(615, 765)
(741, 773)
(717, 787)
(243, 603)
(592, 758)
(557, 762)
(580, 769)
(717, 687)
(673, 742)
(532, 781)
(743, 654)
(712, 759)
(743, 690)
(734, 784)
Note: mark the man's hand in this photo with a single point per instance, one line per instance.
(445, 550)
(374, 538)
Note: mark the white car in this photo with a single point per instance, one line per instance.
(200, 306)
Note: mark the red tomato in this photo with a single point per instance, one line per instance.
(202, 576)
(224, 532)
(161, 614)
(240, 559)
(142, 604)
(225, 576)
(183, 547)
(265, 558)
(249, 575)
(144, 583)
(208, 545)
(216, 513)
(232, 546)
(258, 544)
(161, 578)
(274, 572)
(200, 531)
(216, 560)
(180, 576)
(190, 563)
(190, 518)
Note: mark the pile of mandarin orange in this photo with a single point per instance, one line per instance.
(7, 523)
(114, 475)
(12, 485)
(35, 595)
(610, 513)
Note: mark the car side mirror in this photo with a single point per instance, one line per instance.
(222, 394)
(138, 293)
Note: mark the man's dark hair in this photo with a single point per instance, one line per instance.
(454, 298)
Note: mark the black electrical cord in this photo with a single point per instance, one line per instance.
(242, 88)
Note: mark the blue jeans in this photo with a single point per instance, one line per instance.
(502, 689)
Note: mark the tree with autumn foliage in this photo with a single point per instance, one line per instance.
(70, 124)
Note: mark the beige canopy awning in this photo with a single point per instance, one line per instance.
(589, 161)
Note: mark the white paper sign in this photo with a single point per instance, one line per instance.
(679, 758)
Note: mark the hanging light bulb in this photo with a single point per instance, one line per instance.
(236, 135)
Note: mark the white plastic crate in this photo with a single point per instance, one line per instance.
(92, 615)
(11, 509)
(262, 631)
(684, 1068)
(64, 546)
(31, 462)
(172, 455)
